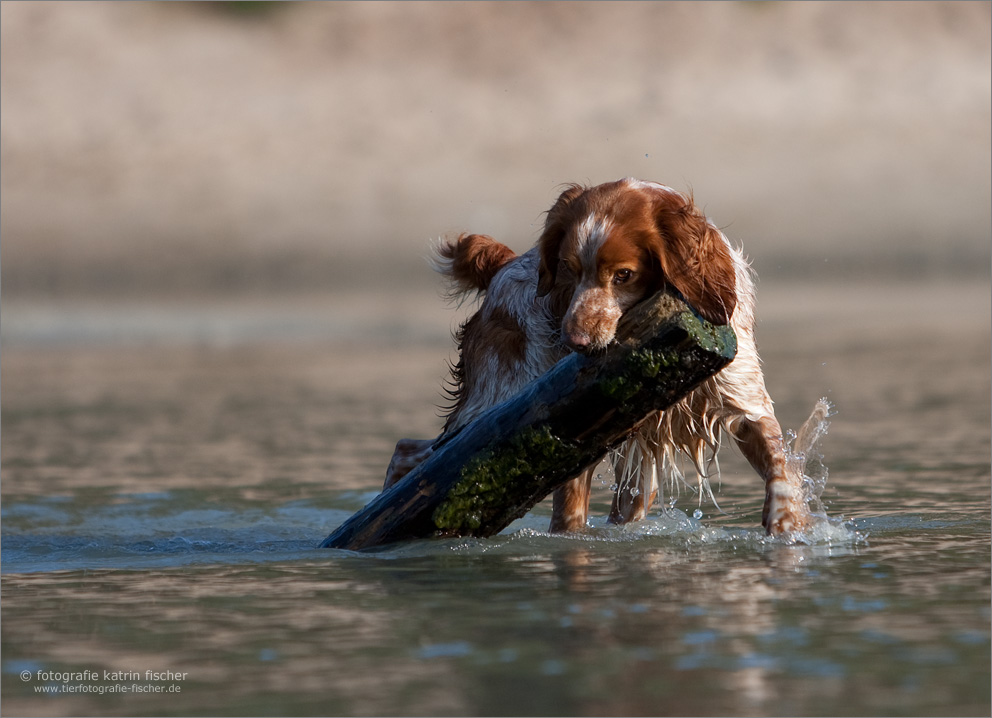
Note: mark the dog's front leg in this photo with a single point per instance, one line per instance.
(570, 505)
(761, 442)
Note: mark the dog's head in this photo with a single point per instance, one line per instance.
(606, 248)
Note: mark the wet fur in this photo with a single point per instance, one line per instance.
(602, 250)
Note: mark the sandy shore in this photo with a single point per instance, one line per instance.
(175, 147)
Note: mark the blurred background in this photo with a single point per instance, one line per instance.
(221, 150)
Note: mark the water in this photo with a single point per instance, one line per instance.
(162, 500)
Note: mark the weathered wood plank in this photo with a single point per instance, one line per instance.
(497, 468)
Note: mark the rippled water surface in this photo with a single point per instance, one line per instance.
(162, 500)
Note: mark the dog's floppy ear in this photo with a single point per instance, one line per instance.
(695, 257)
(555, 227)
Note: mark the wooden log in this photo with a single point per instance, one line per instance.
(495, 469)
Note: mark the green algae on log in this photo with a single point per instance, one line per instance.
(495, 469)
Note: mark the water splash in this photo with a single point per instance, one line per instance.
(804, 458)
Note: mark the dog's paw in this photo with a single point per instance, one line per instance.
(781, 522)
(409, 454)
(783, 511)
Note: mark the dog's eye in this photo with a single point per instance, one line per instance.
(622, 275)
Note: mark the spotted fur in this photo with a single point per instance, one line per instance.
(603, 249)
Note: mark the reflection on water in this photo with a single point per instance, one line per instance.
(526, 625)
(161, 507)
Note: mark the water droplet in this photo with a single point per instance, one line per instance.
(697, 514)
(614, 487)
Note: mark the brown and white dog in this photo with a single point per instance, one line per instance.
(604, 249)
